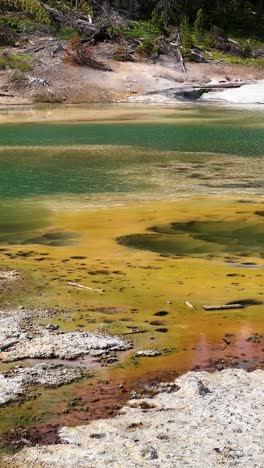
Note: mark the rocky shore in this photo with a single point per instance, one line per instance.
(21, 382)
(21, 338)
(200, 418)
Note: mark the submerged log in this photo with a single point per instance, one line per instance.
(224, 307)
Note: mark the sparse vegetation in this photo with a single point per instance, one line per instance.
(17, 76)
(18, 62)
(143, 29)
(47, 99)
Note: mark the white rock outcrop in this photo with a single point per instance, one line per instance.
(247, 94)
(209, 420)
(17, 383)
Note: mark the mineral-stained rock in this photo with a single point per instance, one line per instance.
(64, 345)
(21, 339)
(221, 427)
(15, 384)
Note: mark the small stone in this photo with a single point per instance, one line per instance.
(52, 327)
(148, 353)
(149, 453)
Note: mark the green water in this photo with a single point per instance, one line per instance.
(200, 169)
(189, 151)
(217, 137)
(53, 158)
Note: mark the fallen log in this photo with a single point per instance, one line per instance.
(8, 345)
(75, 21)
(88, 288)
(82, 56)
(135, 332)
(224, 307)
(228, 85)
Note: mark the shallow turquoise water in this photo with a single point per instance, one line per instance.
(52, 158)
(230, 138)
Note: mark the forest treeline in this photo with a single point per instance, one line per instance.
(242, 16)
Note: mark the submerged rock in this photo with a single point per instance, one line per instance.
(222, 426)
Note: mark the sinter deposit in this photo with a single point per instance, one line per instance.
(18, 383)
(247, 94)
(20, 338)
(214, 420)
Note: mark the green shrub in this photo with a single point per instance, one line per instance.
(66, 32)
(157, 20)
(145, 30)
(18, 76)
(147, 48)
(249, 62)
(47, 99)
(199, 25)
(32, 7)
(25, 25)
(186, 34)
(246, 49)
(18, 62)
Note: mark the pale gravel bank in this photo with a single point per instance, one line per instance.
(214, 420)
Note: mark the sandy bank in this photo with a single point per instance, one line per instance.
(213, 419)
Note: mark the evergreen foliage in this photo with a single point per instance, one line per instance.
(242, 18)
(33, 7)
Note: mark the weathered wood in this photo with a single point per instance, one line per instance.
(82, 25)
(88, 288)
(224, 307)
(228, 85)
(189, 305)
(135, 332)
(8, 345)
(82, 56)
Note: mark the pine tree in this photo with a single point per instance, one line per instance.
(199, 24)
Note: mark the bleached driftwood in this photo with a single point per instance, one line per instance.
(224, 307)
(189, 305)
(80, 286)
